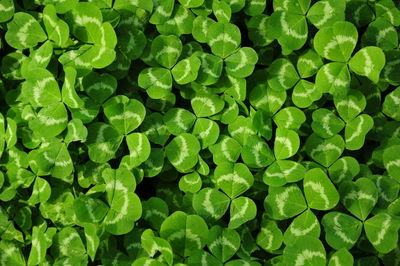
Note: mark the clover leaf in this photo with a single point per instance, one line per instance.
(336, 42)
(186, 233)
(223, 38)
(359, 197)
(319, 191)
(24, 31)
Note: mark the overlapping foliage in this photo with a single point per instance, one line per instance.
(199, 132)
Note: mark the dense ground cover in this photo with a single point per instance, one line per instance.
(199, 132)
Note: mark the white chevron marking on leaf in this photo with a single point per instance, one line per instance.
(243, 129)
(325, 123)
(223, 242)
(155, 81)
(285, 142)
(332, 79)
(387, 10)
(349, 104)
(281, 74)
(307, 255)
(338, 39)
(39, 88)
(280, 200)
(338, 230)
(383, 231)
(105, 147)
(224, 37)
(186, 72)
(382, 34)
(6, 9)
(358, 130)
(167, 50)
(179, 19)
(268, 234)
(287, 29)
(206, 101)
(353, 195)
(225, 150)
(328, 13)
(123, 212)
(207, 204)
(64, 247)
(126, 115)
(205, 133)
(22, 34)
(184, 151)
(64, 163)
(178, 119)
(83, 20)
(393, 163)
(302, 232)
(368, 65)
(325, 148)
(242, 211)
(317, 187)
(308, 62)
(243, 62)
(234, 178)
